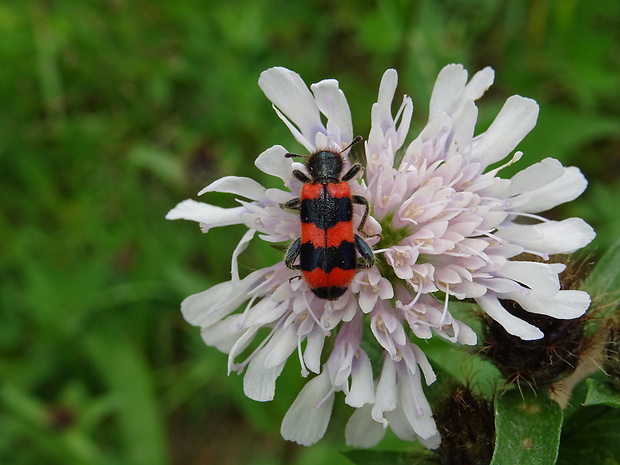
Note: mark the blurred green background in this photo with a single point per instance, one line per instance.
(113, 111)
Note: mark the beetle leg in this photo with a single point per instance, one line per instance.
(292, 253)
(301, 176)
(352, 172)
(368, 257)
(293, 204)
(358, 199)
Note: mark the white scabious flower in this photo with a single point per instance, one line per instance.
(451, 225)
(446, 225)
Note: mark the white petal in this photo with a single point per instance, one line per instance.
(209, 216)
(431, 443)
(245, 187)
(381, 113)
(535, 176)
(279, 195)
(309, 144)
(307, 419)
(320, 141)
(514, 121)
(282, 344)
(333, 104)
(479, 83)
(208, 307)
(241, 246)
(314, 349)
(239, 346)
(464, 334)
(367, 301)
(386, 291)
(511, 323)
(468, 290)
(429, 375)
(264, 312)
(272, 161)
(415, 406)
(362, 385)
(564, 305)
(551, 237)
(289, 93)
(405, 122)
(448, 90)
(387, 89)
(196, 308)
(385, 395)
(500, 285)
(565, 188)
(400, 426)
(540, 276)
(259, 382)
(362, 430)
(224, 334)
(464, 128)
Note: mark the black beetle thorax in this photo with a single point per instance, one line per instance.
(325, 166)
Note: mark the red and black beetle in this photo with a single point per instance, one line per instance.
(327, 246)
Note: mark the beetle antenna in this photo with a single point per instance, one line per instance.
(291, 155)
(353, 142)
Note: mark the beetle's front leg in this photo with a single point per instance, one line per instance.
(352, 172)
(291, 255)
(293, 204)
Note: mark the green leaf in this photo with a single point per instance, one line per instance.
(591, 435)
(129, 379)
(527, 429)
(601, 393)
(604, 280)
(58, 443)
(386, 457)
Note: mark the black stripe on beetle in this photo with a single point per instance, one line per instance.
(326, 211)
(327, 259)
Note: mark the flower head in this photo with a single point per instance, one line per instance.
(452, 225)
(443, 225)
